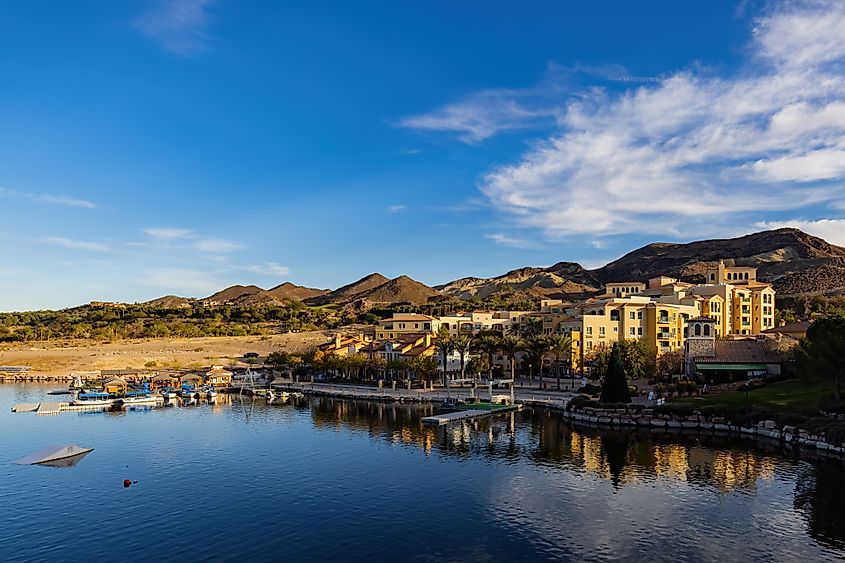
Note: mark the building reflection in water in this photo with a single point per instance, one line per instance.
(543, 437)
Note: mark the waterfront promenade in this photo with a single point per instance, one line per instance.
(438, 394)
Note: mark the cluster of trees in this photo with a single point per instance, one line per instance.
(822, 352)
(528, 338)
(146, 321)
(793, 309)
(639, 360)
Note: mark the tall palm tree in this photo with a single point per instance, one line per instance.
(561, 347)
(444, 346)
(463, 345)
(488, 343)
(511, 345)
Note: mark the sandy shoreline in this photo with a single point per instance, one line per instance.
(60, 358)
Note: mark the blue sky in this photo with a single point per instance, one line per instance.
(180, 146)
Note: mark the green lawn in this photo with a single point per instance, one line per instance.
(800, 396)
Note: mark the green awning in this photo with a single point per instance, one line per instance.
(730, 367)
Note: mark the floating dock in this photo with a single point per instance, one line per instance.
(447, 417)
(47, 409)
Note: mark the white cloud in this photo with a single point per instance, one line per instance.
(177, 280)
(505, 240)
(51, 199)
(268, 269)
(179, 26)
(217, 246)
(168, 233)
(831, 230)
(76, 244)
(481, 115)
(396, 208)
(693, 151)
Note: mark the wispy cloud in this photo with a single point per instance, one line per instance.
(76, 244)
(179, 26)
(480, 115)
(50, 199)
(168, 233)
(831, 230)
(217, 246)
(396, 208)
(694, 150)
(268, 269)
(505, 240)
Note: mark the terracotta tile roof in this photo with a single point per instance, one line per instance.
(740, 352)
(794, 327)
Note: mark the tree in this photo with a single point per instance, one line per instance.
(488, 343)
(615, 386)
(510, 345)
(444, 345)
(822, 352)
(669, 364)
(561, 347)
(463, 345)
(639, 358)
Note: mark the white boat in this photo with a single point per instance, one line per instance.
(140, 401)
(211, 395)
(70, 454)
(92, 400)
(170, 395)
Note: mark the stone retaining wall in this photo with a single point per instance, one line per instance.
(647, 418)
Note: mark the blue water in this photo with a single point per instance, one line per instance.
(322, 479)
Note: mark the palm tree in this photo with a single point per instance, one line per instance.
(488, 343)
(510, 345)
(444, 345)
(463, 345)
(561, 347)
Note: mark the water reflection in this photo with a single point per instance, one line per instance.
(820, 497)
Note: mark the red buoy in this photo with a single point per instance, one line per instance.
(127, 483)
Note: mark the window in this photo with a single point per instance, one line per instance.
(639, 331)
(589, 331)
(601, 331)
(616, 329)
(589, 345)
(632, 315)
(707, 330)
(639, 315)
(632, 331)
(697, 329)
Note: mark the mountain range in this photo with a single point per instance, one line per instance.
(793, 261)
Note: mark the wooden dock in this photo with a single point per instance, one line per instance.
(48, 409)
(448, 417)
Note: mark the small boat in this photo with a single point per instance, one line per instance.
(57, 456)
(139, 401)
(189, 393)
(211, 395)
(93, 400)
(169, 394)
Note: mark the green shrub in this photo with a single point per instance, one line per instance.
(581, 401)
(791, 419)
(817, 424)
(678, 409)
(835, 433)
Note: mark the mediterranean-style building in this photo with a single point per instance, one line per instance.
(656, 312)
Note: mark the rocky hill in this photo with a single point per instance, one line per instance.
(795, 262)
(295, 292)
(231, 293)
(563, 280)
(377, 289)
(792, 260)
(171, 302)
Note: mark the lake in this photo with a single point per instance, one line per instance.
(326, 479)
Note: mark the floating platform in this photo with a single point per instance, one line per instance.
(447, 417)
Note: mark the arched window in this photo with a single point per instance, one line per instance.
(706, 330)
(746, 275)
(697, 329)
(712, 277)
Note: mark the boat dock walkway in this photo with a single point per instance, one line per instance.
(447, 417)
(47, 409)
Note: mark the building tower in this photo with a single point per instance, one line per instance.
(700, 341)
